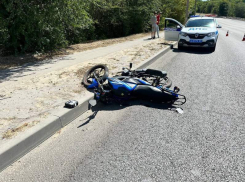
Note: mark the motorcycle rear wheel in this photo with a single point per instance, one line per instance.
(103, 72)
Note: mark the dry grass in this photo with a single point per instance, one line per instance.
(102, 43)
(58, 133)
(14, 131)
(63, 74)
(78, 90)
(10, 119)
(44, 115)
(80, 73)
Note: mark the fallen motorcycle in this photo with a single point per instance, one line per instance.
(148, 84)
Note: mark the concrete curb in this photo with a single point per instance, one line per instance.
(25, 142)
(156, 56)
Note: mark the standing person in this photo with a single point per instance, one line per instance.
(154, 25)
(158, 21)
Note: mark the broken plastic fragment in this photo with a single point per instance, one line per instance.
(179, 110)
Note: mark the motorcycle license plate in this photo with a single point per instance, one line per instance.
(195, 41)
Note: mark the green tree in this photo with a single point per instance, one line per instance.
(240, 10)
(29, 26)
(223, 8)
(40, 25)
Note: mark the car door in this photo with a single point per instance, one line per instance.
(172, 29)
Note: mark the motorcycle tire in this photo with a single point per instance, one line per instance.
(167, 83)
(91, 70)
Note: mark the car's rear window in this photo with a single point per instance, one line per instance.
(200, 23)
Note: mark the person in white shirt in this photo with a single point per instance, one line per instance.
(154, 25)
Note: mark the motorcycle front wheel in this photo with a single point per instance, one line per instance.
(101, 70)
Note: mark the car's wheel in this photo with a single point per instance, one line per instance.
(212, 49)
(180, 47)
(102, 71)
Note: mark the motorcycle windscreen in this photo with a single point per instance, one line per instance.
(172, 29)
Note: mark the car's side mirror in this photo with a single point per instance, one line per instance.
(219, 26)
(178, 27)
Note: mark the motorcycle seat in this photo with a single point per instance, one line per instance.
(140, 70)
(156, 73)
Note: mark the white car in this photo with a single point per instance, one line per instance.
(198, 32)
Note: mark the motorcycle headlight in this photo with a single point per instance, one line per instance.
(183, 34)
(211, 34)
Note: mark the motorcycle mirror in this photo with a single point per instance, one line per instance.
(92, 102)
(131, 65)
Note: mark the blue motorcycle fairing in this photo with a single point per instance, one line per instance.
(94, 84)
(144, 82)
(128, 80)
(172, 92)
(116, 84)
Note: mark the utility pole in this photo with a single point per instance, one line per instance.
(187, 11)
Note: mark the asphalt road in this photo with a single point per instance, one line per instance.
(147, 142)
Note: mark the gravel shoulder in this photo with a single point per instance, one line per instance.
(29, 100)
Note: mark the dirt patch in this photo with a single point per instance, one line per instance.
(83, 70)
(11, 61)
(14, 131)
(103, 43)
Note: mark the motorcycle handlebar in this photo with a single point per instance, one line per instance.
(100, 85)
(181, 100)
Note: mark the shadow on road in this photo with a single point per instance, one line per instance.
(117, 106)
(165, 43)
(194, 50)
